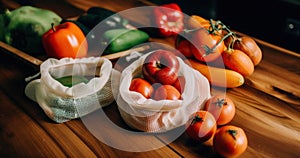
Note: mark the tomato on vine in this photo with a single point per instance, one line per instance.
(208, 46)
(204, 39)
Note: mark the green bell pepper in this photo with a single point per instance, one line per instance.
(24, 27)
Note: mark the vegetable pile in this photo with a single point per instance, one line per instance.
(160, 79)
(211, 127)
(40, 31)
(208, 46)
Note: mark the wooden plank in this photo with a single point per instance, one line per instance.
(13, 85)
(267, 121)
(93, 131)
(21, 136)
(276, 81)
(20, 54)
(288, 61)
(36, 61)
(272, 46)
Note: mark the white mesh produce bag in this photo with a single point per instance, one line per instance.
(159, 116)
(61, 103)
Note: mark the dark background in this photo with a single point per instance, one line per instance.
(274, 21)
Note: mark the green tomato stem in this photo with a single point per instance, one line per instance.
(233, 133)
(196, 119)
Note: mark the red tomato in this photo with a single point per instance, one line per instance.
(207, 46)
(238, 61)
(167, 92)
(221, 107)
(248, 46)
(230, 141)
(142, 86)
(179, 83)
(203, 42)
(184, 47)
(196, 21)
(201, 126)
(65, 40)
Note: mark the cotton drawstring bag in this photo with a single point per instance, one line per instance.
(150, 115)
(61, 103)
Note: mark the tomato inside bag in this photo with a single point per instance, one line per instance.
(151, 115)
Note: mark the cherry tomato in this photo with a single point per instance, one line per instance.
(221, 107)
(201, 126)
(230, 141)
(142, 86)
(165, 92)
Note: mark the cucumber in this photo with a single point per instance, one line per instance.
(109, 19)
(122, 39)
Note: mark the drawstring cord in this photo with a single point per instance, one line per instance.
(29, 78)
(133, 55)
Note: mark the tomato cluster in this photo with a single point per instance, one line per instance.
(160, 80)
(212, 42)
(210, 126)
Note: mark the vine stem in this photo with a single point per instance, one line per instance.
(210, 50)
(192, 30)
(215, 27)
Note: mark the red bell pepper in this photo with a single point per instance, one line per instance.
(168, 18)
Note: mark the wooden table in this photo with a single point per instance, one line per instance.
(268, 109)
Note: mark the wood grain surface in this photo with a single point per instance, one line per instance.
(268, 109)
